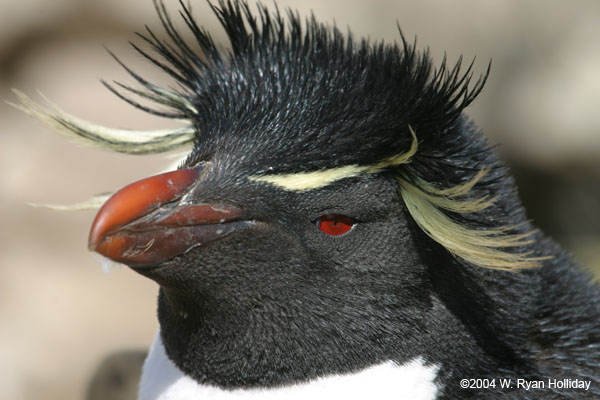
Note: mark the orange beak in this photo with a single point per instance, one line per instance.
(147, 222)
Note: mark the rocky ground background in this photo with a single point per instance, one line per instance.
(60, 316)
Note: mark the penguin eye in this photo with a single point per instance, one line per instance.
(334, 224)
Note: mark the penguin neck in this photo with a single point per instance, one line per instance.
(214, 345)
(162, 380)
(217, 349)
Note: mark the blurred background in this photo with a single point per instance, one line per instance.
(61, 316)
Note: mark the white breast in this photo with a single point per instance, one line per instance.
(162, 380)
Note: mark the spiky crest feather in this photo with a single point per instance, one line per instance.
(290, 98)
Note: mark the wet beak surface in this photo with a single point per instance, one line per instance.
(147, 222)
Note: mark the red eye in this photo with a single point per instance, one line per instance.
(335, 224)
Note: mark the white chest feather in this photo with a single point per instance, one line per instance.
(162, 380)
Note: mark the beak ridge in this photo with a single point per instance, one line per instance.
(138, 199)
(144, 224)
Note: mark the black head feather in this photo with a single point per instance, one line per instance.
(280, 100)
(293, 96)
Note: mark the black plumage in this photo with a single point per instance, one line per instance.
(280, 88)
(280, 302)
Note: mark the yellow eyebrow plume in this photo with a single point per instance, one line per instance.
(303, 181)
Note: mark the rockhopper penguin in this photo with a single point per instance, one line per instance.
(340, 227)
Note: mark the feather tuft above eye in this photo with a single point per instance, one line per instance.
(87, 133)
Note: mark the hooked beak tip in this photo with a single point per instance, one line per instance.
(137, 200)
(144, 223)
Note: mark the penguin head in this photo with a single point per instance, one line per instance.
(317, 272)
(329, 180)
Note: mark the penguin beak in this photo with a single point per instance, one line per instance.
(150, 221)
